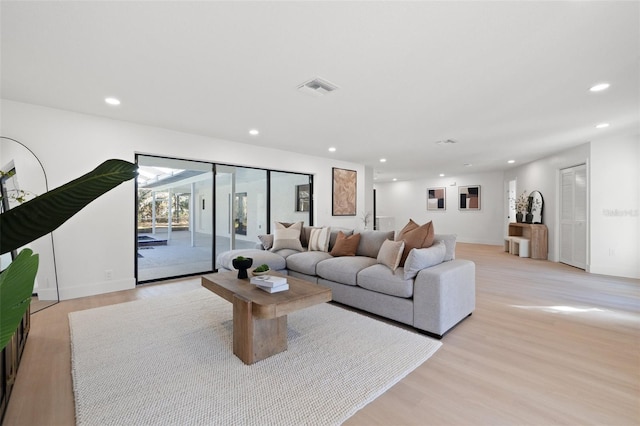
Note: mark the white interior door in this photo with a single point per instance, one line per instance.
(573, 216)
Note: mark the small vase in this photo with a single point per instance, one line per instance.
(519, 217)
(529, 218)
(242, 265)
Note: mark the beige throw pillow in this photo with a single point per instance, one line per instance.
(319, 239)
(390, 253)
(287, 237)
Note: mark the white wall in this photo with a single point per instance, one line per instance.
(614, 203)
(101, 236)
(543, 175)
(408, 200)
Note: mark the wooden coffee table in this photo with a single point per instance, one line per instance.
(260, 318)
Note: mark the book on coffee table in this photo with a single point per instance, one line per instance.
(268, 281)
(276, 289)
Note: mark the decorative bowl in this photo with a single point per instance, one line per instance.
(256, 274)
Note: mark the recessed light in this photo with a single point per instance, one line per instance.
(602, 125)
(394, 179)
(332, 149)
(599, 87)
(468, 164)
(112, 101)
(254, 132)
(383, 160)
(441, 174)
(511, 161)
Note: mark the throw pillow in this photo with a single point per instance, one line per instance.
(421, 258)
(266, 240)
(415, 236)
(345, 246)
(287, 237)
(390, 253)
(319, 239)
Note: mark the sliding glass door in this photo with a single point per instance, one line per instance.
(188, 212)
(174, 218)
(241, 207)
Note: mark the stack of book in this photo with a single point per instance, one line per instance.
(270, 283)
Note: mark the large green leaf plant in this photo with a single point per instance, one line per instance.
(40, 216)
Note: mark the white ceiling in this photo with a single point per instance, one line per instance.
(506, 80)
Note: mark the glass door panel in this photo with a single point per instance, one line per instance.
(291, 198)
(174, 218)
(241, 207)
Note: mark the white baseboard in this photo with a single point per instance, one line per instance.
(47, 294)
(630, 271)
(96, 288)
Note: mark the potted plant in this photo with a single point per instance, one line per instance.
(521, 206)
(242, 263)
(40, 216)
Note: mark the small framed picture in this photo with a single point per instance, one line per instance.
(436, 198)
(469, 197)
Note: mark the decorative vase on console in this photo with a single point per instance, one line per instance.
(529, 218)
(519, 217)
(242, 264)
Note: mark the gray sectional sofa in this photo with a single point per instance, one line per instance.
(434, 301)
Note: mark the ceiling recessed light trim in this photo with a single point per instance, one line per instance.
(383, 160)
(112, 101)
(602, 125)
(511, 161)
(332, 149)
(254, 132)
(599, 87)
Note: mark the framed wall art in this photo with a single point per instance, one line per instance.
(469, 197)
(303, 198)
(436, 198)
(344, 192)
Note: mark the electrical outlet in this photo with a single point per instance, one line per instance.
(108, 274)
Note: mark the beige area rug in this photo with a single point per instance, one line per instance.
(169, 361)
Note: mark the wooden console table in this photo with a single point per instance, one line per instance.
(537, 236)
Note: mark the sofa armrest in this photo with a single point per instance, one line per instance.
(444, 295)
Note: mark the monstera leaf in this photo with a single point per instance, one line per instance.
(45, 213)
(16, 285)
(37, 217)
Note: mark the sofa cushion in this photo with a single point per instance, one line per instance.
(345, 245)
(381, 279)
(275, 261)
(422, 258)
(371, 241)
(415, 236)
(319, 239)
(306, 262)
(390, 253)
(450, 242)
(334, 235)
(266, 241)
(287, 237)
(343, 270)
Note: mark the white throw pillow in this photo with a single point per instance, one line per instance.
(319, 239)
(421, 258)
(390, 253)
(287, 237)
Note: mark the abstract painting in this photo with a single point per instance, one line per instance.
(436, 199)
(344, 192)
(469, 197)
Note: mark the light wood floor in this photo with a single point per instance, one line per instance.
(548, 344)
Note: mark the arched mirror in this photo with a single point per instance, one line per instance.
(534, 211)
(24, 178)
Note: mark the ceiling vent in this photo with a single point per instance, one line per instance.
(317, 87)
